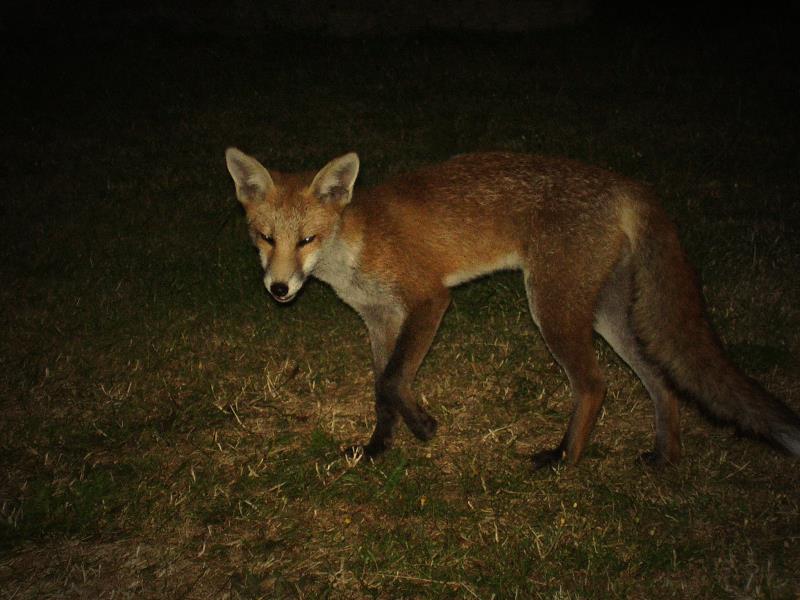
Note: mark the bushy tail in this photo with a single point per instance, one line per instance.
(669, 318)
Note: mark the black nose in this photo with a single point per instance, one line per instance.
(279, 290)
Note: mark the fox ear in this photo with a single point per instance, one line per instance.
(334, 183)
(251, 178)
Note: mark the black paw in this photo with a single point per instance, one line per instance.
(548, 458)
(422, 425)
(370, 451)
(654, 460)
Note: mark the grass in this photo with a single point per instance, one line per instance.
(170, 432)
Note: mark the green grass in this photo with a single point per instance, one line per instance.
(168, 431)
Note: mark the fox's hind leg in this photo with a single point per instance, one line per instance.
(565, 316)
(615, 323)
(393, 394)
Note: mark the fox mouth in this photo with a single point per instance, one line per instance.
(284, 299)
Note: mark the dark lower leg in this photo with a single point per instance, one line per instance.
(383, 434)
(393, 386)
(579, 429)
(668, 435)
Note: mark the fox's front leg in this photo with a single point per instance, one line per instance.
(384, 324)
(394, 376)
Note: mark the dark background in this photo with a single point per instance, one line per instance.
(167, 431)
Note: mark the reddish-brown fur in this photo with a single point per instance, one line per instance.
(597, 251)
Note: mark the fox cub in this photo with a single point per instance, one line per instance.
(597, 252)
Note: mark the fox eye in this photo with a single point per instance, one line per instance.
(306, 240)
(267, 238)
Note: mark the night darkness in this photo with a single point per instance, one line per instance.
(170, 431)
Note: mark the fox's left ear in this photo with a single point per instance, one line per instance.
(334, 182)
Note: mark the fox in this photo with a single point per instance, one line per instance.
(597, 251)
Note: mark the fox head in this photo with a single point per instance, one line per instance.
(291, 218)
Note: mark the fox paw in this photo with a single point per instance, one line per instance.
(371, 451)
(422, 425)
(547, 458)
(655, 460)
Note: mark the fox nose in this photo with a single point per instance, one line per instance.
(279, 290)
